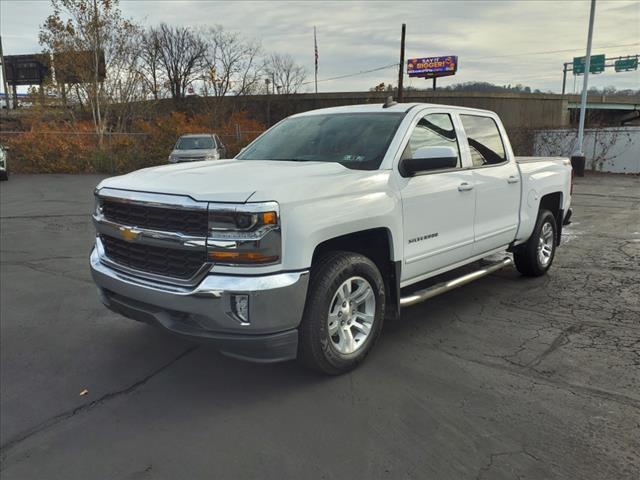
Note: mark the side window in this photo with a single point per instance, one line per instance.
(485, 142)
(434, 130)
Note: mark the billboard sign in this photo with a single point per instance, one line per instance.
(430, 67)
(78, 66)
(27, 69)
(595, 66)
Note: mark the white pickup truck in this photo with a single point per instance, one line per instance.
(325, 225)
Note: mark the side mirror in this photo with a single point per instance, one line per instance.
(428, 158)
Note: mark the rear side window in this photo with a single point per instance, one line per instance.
(433, 130)
(485, 142)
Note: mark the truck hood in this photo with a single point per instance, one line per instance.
(238, 181)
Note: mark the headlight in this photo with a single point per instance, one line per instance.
(247, 234)
(211, 157)
(97, 207)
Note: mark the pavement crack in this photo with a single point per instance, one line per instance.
(48, 424)
(40, 269)
(561, 340)
(493, 456)
(13, 217)
(539, 379)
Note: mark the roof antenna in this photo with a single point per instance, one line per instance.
(389, 102)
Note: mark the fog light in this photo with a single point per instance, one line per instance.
(240, 307)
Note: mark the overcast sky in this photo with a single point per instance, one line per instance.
(496, 41)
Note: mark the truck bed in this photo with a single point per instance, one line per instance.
(540, 159)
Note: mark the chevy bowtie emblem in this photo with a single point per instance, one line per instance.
(129, 234)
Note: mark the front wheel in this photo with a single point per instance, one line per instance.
(535, 257)
(344, 313)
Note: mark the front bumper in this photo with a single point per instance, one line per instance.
(205, 313)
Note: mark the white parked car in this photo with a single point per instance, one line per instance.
(197, 147)
(4, 166)
(325, 225)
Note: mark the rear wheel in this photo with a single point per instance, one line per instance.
(4, 175)
(343, 314)
(535, 257)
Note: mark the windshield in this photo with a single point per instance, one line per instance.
(195, 143)
(356, 140)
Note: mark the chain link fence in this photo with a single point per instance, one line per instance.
(59, 151)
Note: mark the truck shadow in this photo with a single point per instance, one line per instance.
(206, 379)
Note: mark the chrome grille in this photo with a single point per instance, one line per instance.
(170, 262)
(190, 222)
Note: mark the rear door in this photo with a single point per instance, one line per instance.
(438, 205)
(497, 183)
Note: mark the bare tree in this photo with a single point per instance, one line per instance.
(94, 50)
(151, 62)
(182, 55)
(232, 63)
(287, 75)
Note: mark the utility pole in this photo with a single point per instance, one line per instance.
(401, 68)
(564, 77)
(315, 52)
(4, 76)
(578, 159)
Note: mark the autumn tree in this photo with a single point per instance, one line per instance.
(287, 75)
(95, 51)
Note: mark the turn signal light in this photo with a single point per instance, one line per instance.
(269, 218)
(241, 257)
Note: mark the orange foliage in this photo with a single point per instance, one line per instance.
(62, 147)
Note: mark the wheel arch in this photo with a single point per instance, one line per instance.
(377, 245)
(553, 203)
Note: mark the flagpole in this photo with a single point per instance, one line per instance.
(315, 44)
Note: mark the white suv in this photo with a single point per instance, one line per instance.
(197, 147)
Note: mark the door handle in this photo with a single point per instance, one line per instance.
(513, 179)
(464, 187)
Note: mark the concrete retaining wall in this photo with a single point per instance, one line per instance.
(516, 110)
(615, 150)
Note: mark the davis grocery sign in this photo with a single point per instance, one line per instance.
(430, 67)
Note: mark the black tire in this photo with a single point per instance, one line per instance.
(526, 255)
(316, 349)
(4, 175)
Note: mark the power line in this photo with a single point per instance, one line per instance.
(362, 72)
(554, 51)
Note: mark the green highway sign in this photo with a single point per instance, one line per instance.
(596, 65)
(626, 64)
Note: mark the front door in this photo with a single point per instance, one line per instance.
(438, 206)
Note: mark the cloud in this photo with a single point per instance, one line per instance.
(355, 36)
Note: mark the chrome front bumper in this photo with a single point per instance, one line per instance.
(204, 312)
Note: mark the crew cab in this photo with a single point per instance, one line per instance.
(328, 223)
(4, 163)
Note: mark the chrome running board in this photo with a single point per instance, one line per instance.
(438, 288)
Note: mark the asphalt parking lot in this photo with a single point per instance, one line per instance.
(504, 378)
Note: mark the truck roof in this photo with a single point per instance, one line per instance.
(378, 107)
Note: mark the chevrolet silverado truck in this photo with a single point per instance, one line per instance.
(327, 224)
